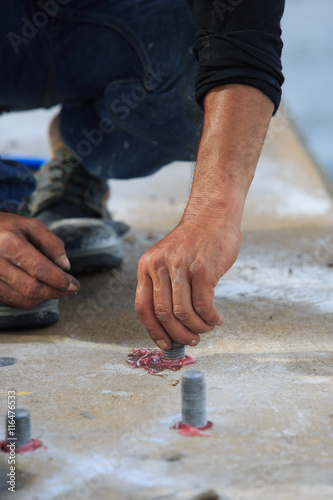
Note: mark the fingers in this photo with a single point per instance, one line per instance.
(177, 277)
(164, 309)
(10, 296)
(182, 298)
(25, 256)
(24, 284)
(144, 308)
(31, 258)
(203, 299)
(47, 242)
(164, 304)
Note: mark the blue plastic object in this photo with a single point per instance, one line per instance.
(33, 163)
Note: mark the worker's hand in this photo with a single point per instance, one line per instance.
(177, 277)
(32, 263)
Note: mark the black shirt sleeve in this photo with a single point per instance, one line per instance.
(238, 41)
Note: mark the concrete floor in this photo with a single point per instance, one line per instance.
(269, 368)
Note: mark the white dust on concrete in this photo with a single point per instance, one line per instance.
(309, 284)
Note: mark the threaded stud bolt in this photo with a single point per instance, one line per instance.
(22, 431)
(177, 351)
(193, 389)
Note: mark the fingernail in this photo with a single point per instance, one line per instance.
(194, 342)
(162, 344)
(64, 262)
(73, 287)
(221, 320)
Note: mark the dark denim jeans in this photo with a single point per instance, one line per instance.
(123, 72)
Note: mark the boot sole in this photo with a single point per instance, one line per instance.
(95, 260)
(15, 318)
(91, 244)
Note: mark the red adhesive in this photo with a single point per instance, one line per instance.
(190, 430)
(152, 361)
(30, 446)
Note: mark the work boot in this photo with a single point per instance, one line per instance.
(17, 318)
(72, 203)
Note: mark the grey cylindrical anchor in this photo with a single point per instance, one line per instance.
(194, 398)
(177, 351)
(22, 429)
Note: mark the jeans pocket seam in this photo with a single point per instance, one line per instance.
(120, 28)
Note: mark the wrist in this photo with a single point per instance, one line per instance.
(222, 203)
(235, 123)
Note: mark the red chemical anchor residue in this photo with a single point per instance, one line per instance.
(30, 446)
(152, 361)
(190, 430)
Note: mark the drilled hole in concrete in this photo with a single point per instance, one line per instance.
(173, 457)
(209, 495)
(4, 361)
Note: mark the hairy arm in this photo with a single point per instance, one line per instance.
(177, 276)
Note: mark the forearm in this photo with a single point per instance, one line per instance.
(177, 276)
(235, 124)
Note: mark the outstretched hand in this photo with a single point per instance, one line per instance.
(33, 263)
(177, 277)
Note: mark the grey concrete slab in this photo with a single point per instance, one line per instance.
(107, 428)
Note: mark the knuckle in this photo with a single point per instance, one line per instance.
(181, 314)
(37, 270)
(32, 290)
(7, 242)
(144, 263)
(141, 267)
(140, 308)
(177, 263)
(162, 313)
(206, 329)
(154, 334)
(35, 223)
(143, 260)
(197, 268)
(201, 307)
(155, 262)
